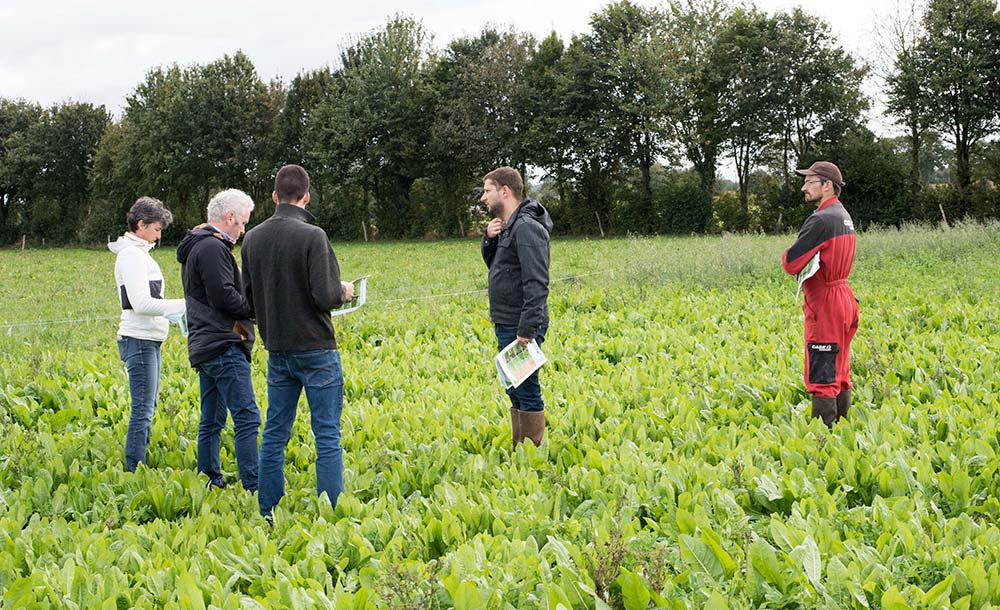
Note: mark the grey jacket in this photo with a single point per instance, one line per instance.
(518, 260)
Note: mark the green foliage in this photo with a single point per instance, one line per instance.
(877, 188)
(188, 133)
(398, 133)
(680, 467)
(680, 203)
(371, 131)
(959, 59)
(44, 159)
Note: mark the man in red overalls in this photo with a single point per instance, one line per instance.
(831, 311)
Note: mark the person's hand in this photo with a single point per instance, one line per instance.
(494, 228)
(524, 341)
(348, 291)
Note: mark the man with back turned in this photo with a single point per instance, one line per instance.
(292, 281)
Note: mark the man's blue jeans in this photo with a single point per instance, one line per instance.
(226, 388)
(143, 362)
(319, 372)
(527, 396)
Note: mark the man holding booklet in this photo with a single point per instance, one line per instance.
(826, 245)
(292, 281)
(516, 250)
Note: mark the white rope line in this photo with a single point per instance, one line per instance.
(54, 322)
(425, 297)
(481, 290)
(12, 326)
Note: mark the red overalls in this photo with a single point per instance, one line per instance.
(831, 311)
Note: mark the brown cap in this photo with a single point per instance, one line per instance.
(823, 169)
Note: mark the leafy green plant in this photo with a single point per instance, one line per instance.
(680, 468)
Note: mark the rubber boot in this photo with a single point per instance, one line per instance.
(826, 408)
(515, 428)
(843, 404)
(533, 426)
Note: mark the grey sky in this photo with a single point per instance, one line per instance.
(98, 51)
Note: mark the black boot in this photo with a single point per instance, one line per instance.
(843, 404)
(826, 408)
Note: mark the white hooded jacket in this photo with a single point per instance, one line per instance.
(140, 290)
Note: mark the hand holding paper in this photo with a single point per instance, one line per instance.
(357, 295)
(517, 362)
(180, 318)
(807, 273)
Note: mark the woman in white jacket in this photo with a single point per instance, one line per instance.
(143, 325)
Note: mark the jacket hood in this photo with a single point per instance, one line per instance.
(194, 236)
(129, 240)
(535, 210)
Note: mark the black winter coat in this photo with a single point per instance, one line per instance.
(292, 281)
(218, 315)
(518, 260)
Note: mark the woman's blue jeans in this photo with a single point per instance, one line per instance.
(143, 362)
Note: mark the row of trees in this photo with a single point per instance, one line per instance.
(625, 127)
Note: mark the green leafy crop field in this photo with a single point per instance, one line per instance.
(680, 467)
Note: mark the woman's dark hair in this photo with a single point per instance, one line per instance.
(148, 210)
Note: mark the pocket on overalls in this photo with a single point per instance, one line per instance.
(822, 362)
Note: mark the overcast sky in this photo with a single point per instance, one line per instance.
(98, 51)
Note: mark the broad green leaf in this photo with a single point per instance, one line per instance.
(634, 592)
(714, 543)
(769, 489)
(858, 593)
(685, 521)
(716, 602)
(806, 555)
(765, 561)
(699, 555)
(893, 600)
(188, 593)
(557, 598)
(559, 550)
(21, 592)
(466, 597)
(939, 593)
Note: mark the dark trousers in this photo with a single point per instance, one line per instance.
(528, 395)
(226, 388)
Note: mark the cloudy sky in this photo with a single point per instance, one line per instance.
(98, 51)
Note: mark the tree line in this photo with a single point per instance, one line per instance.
(624, 127)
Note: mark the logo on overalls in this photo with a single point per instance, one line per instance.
(821, 347)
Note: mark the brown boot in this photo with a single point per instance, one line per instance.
(843, 404)
(826, 408)
(533, 426)
(515, 428)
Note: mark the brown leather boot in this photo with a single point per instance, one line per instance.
(826, 408)
(533, 426)
(843, 403)
(515, 428)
